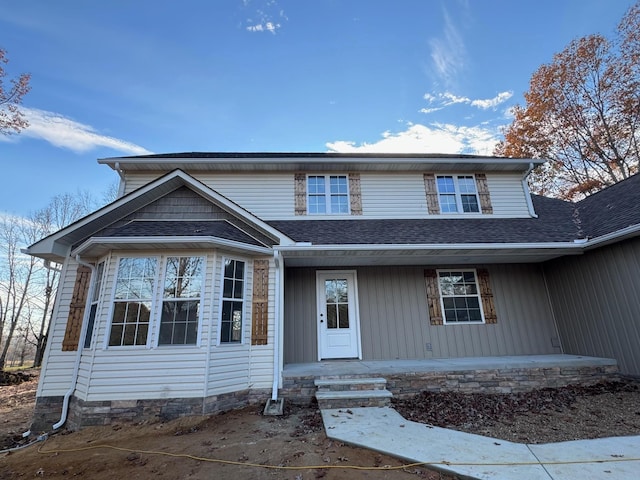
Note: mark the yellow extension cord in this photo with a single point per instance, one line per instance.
(314, 467)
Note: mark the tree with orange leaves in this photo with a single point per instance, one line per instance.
(11, 118)
(582, 114)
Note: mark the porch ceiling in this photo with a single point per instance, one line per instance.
(421, 256)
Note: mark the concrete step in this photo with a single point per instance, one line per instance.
(352, 392)
(354, 398)
(351, 384)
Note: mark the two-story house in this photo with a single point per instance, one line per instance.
(212, 274)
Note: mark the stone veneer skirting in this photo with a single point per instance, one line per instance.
(301, 389)
(82, 413)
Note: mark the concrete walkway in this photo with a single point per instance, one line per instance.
(474, 456)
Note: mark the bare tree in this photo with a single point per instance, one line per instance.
(17, 274)
(11, 118)
(62, 210)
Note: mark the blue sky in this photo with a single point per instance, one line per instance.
(124, 77)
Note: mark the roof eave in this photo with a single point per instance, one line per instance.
(317, 162)
(98, 244)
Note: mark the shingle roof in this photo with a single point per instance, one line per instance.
(555, 224)
(177, 228)
(613, 208)
(610, 210)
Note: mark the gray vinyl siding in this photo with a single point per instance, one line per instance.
(596, 301)
(394, 319)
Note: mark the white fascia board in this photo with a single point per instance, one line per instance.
(436, 246)
(627, 232)
(144, 240)
(266, 162)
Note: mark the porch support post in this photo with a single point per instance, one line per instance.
(278, 350)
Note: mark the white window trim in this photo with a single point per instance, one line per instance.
(242, 341)
(477, 295)
(99, 296)
(327, 194)
(160, 287)
(457, 193)
(153, 335)
(112, 301)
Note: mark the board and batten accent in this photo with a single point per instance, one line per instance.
(596, 301)
(395, 324)
(76, 309)
(404, 197)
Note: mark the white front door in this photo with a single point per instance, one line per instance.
(338, 321)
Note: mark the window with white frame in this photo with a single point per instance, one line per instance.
(233, 277)
(182, 292)
(93, 307)
(327, 194)
(457, 194)
(460, 296)
(135, 284)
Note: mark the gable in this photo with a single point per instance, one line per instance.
(177, 197)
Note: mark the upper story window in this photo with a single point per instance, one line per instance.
(327, 194)
(458, 194)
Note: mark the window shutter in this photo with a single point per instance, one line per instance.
(260, 302)
(433, 297)
(433, 205)
(300, 187)
(483, 193)
(355, 198)
(486, 296)
(76, 309)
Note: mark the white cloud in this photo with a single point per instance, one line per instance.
(492, 102)
(265, 16)
(448, 52)
(446, 99)
(63, 132)
(267, 27)
(435, 138)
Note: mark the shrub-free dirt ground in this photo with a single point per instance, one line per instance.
(230, 445)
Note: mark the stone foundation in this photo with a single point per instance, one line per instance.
(302, 390)
(83, 414)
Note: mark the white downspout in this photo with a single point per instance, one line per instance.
(122, 182)
(527, 193)
(83, 334)
(278, 321)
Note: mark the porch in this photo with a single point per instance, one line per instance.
(498, 374)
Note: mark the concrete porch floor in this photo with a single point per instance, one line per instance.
(334, 368)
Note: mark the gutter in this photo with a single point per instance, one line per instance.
(429, 246)
(83, 334)
(527, 193)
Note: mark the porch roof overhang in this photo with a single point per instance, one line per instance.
(305, 255)
(96, 247)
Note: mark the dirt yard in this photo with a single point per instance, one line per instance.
(232, 445)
